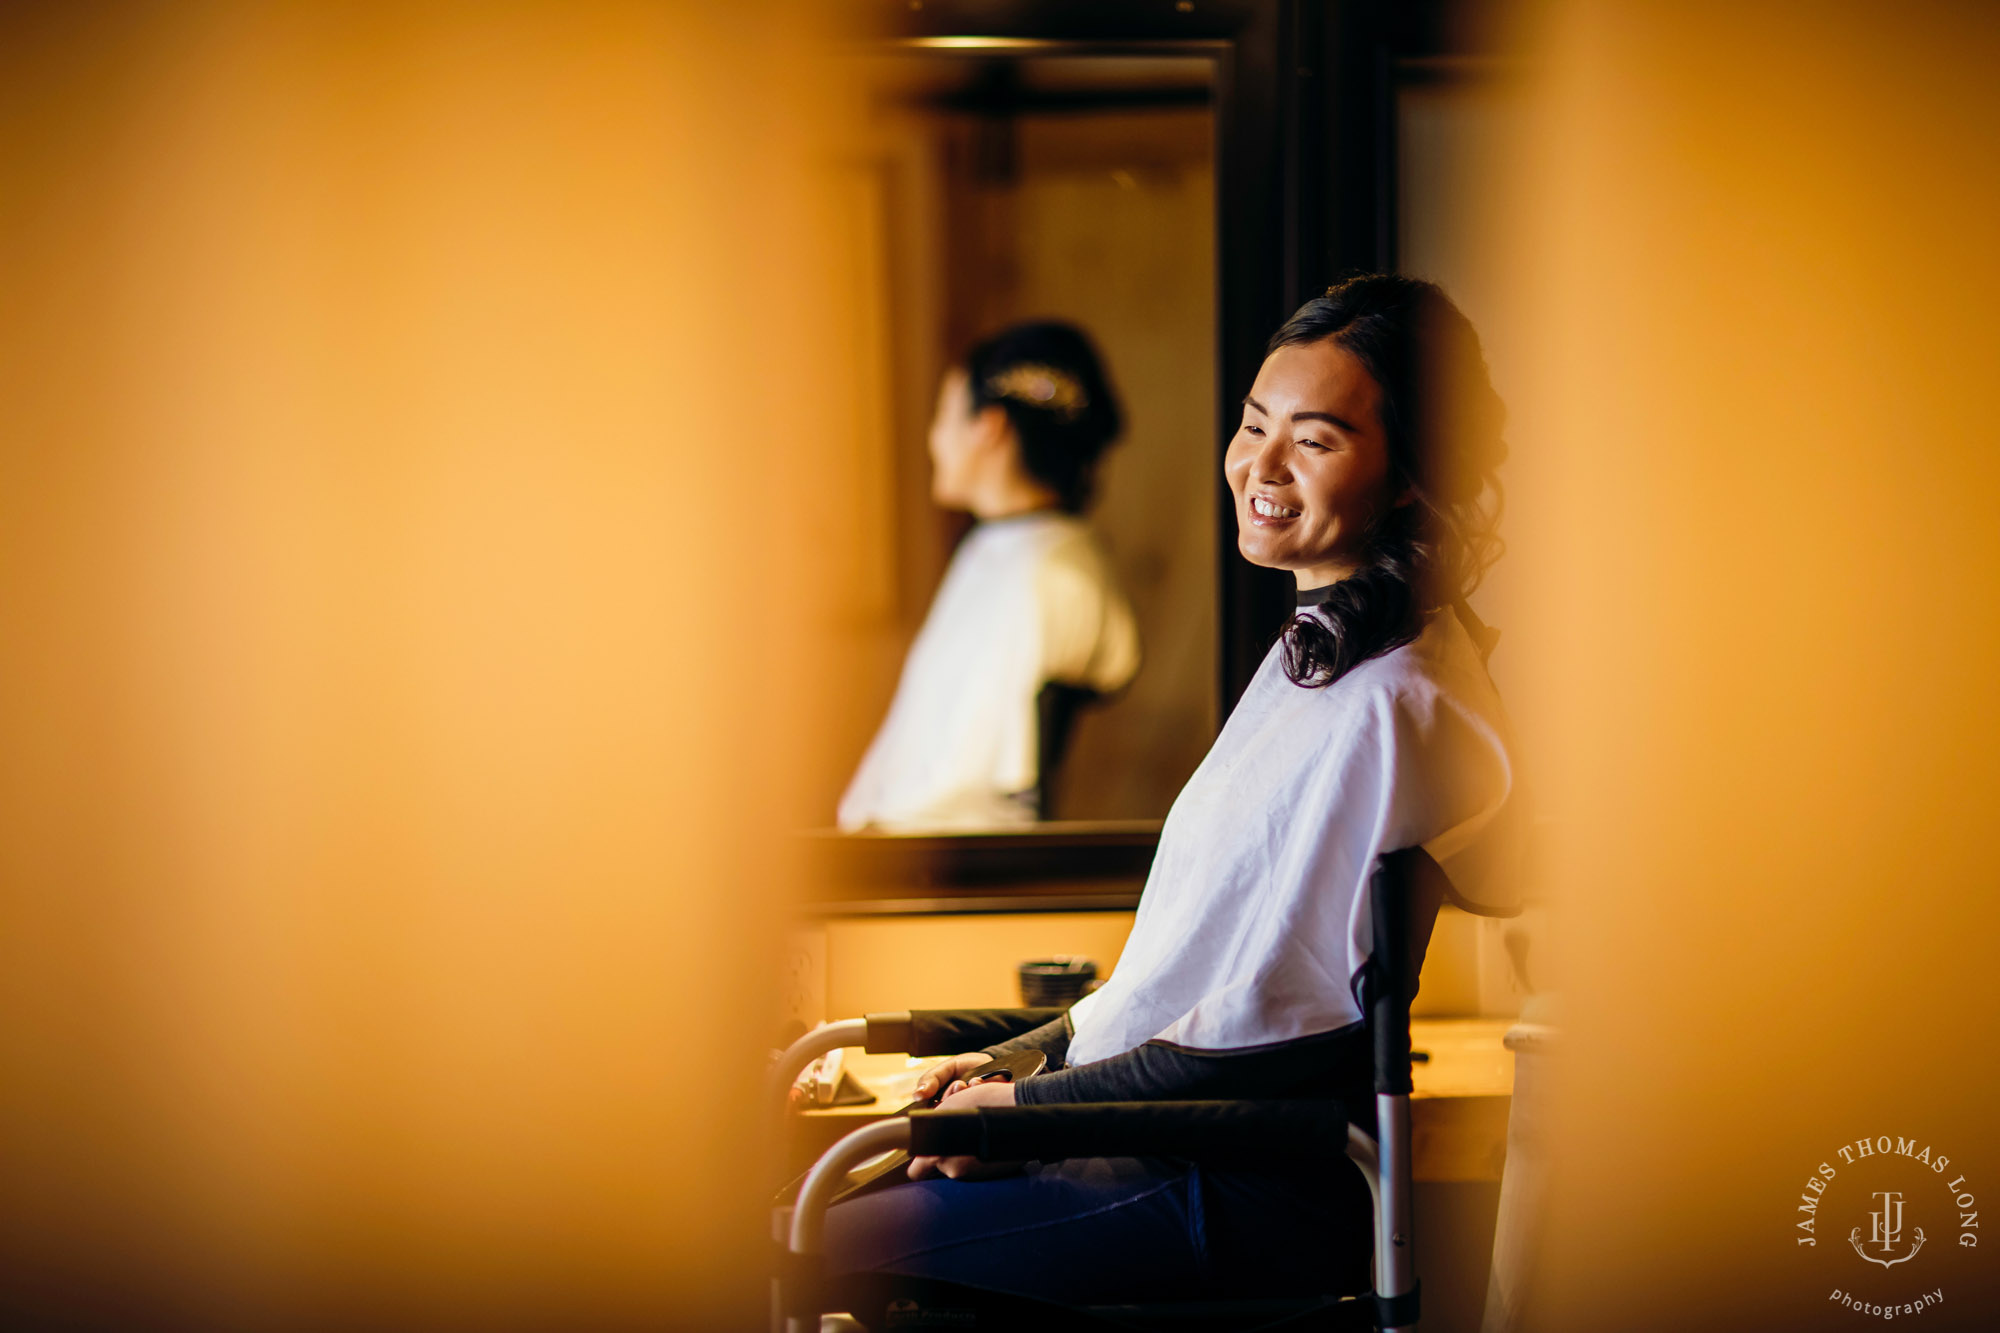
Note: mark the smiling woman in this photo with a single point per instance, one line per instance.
(1365, 465)
(1372, 728)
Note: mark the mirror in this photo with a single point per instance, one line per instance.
(1000, 184)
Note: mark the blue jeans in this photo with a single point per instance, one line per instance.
(1118, 1231)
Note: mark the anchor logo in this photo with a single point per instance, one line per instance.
(1886, 1231)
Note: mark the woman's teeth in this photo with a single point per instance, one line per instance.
(1269, 510)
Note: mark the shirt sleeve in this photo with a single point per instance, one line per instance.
(1331, 1064)
(1051, 1039)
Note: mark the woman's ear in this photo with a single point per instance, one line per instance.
(991, 428)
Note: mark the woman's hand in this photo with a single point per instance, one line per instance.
(943, 1077)
(989, 1092)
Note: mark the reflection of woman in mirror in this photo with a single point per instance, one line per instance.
(1364, 464)
(1028, 602)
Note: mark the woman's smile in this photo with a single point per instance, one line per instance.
(1268, 513)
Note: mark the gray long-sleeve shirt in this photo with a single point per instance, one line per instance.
(1328, 1064)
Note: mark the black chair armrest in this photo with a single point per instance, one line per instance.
(1208, 1131)
(950, 1031)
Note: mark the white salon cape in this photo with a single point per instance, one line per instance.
(1025, 601)
(1255, 923)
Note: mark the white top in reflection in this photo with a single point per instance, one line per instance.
(1025, 601)
(1254, 923)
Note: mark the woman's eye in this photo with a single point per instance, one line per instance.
(1253, 430)
(1312, 444)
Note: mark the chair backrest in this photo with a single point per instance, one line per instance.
(1056, 709)
(1405, 892)
(1415, 887)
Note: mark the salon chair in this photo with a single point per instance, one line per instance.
(1405, 890)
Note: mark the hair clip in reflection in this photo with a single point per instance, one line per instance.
(1041, 386)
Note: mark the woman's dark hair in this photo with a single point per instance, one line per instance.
(1047, 377)
(1443, 423)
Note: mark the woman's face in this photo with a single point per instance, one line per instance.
(1309, 466)
(960, 442)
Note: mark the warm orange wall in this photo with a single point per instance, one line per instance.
(405, 413)
(1763, 279)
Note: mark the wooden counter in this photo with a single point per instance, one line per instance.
(1458, 1114)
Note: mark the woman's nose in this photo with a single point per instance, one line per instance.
(1269, 462)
